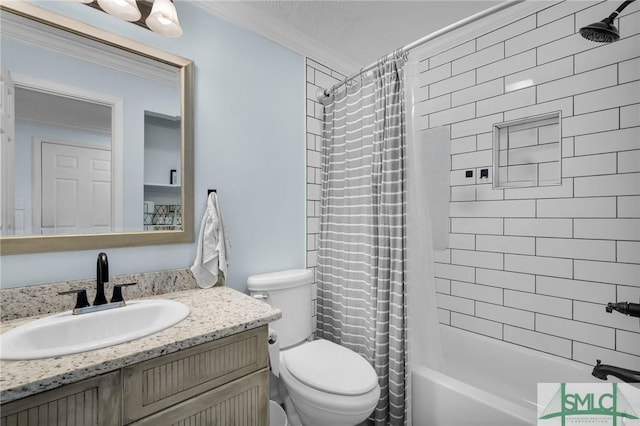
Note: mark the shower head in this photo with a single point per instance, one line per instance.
(601, 32)
(604, 31)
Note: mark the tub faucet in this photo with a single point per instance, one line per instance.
(102, 276)
(626, 308)
(601, 371)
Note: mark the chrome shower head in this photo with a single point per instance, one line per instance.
(604, 31)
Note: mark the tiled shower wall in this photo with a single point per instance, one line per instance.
(534, 266)
(319, 77)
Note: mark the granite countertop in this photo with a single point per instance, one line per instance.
(215, 313)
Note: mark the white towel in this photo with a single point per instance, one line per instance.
(210, 265)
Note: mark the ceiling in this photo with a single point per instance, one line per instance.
(347, 35)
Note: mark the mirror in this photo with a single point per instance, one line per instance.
(97, 137)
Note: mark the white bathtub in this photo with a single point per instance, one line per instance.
(486, 382)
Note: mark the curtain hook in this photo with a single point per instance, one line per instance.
(406, 55)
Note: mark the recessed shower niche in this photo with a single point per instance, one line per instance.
(528, 152)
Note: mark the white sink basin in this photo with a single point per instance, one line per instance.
(64, 333)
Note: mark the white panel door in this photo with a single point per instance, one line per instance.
(76, 189)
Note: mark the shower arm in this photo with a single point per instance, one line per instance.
(429, 37)
(617, 12)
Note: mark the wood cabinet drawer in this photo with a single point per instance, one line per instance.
(242, 402)
(159, 383)
(94, 402)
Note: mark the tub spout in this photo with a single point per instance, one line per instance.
(601, 371)
(626, 308)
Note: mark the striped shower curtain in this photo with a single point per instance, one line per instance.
(361, 258)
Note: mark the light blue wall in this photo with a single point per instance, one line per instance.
(249, 145)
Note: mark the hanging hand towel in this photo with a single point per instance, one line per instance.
(210, 265)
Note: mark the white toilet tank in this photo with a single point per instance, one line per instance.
(289, 291)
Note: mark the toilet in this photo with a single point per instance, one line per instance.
(324, 384)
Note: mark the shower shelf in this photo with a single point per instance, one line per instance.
(527, 152)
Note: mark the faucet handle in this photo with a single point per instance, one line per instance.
(81, 300)
(117, 292)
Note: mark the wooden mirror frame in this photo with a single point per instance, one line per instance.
(49, 243)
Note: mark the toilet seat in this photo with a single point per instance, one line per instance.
(330, 368)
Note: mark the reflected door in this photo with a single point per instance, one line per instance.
(76, 189)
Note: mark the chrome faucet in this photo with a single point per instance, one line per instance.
(601, 371)
(100, 302)
(102, 276)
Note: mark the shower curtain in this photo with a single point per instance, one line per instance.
(361, 300)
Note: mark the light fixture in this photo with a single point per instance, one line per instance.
(164, 19)
(123, 9)
(159, 16)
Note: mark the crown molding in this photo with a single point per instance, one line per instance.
(283, 34)
(279, 32)
(25, 31)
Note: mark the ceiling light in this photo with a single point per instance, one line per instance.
(163, 19)
(159, 16)
(123, 9)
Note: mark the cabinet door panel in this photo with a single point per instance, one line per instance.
(243, 402)
(94, 402)
(156, 384)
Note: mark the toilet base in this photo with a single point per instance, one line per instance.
(316, 408)
(292, 413)
(297, 419)
(323, 417)
(274, 392)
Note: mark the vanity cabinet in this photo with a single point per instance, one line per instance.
(223, 382)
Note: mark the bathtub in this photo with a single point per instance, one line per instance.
(486, 382)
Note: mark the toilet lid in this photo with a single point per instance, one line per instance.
(331, 368)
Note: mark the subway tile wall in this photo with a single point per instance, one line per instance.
(534, 266)
(319, 77)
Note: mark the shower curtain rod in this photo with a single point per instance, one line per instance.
(429, 37)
